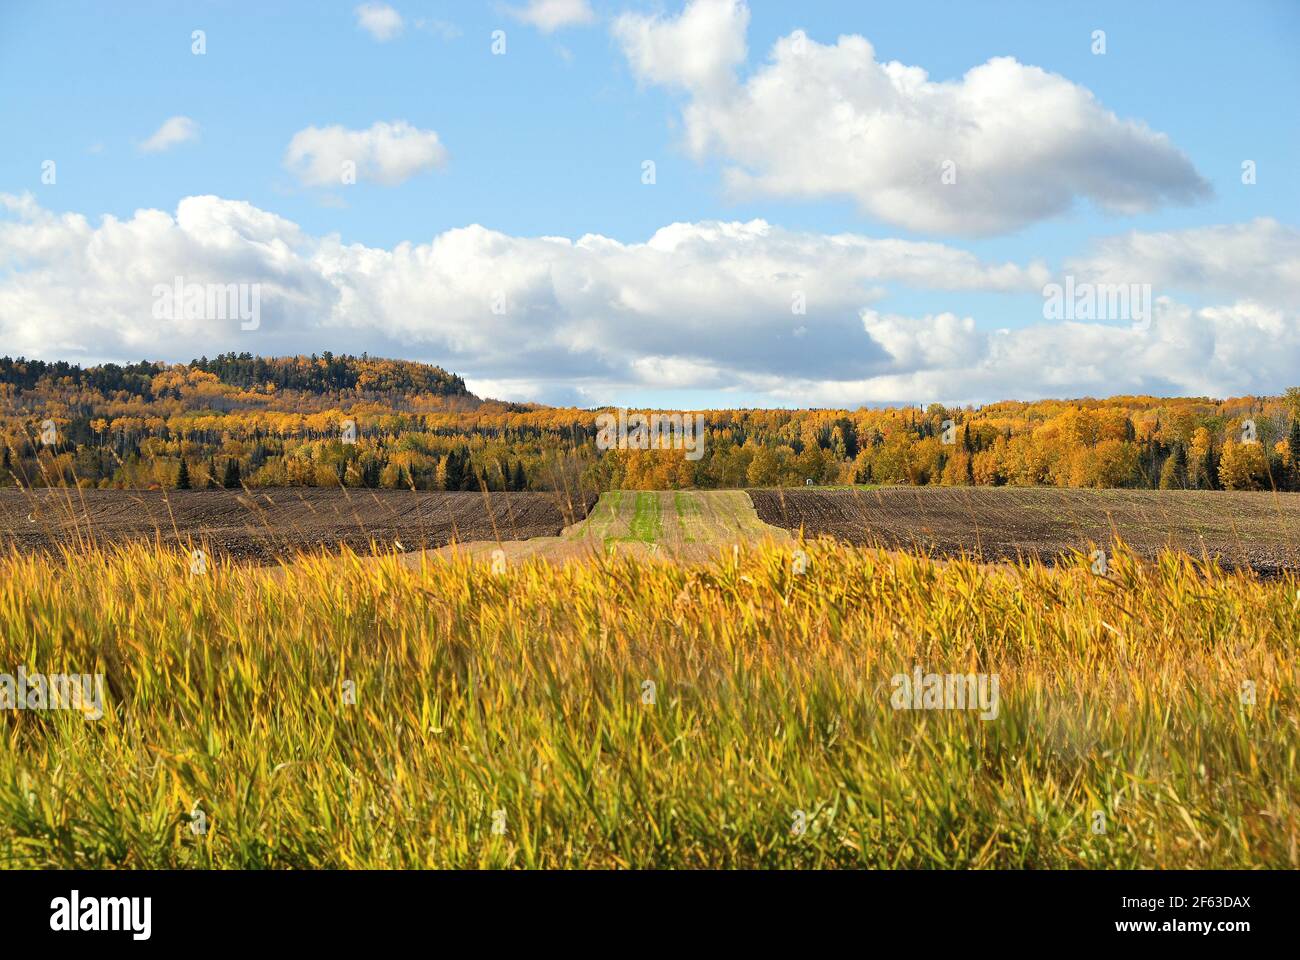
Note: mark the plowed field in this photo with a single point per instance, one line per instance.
(266, 524)
(1256, 530)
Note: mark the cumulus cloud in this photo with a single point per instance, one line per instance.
(379, 20)
(551, 15)
(936, 341)
(1262, 257)
(792, 317)
(1005, 145)
(1249, 342)
(698, 50)
(175, 130)
(387, 153)
(1240, 348)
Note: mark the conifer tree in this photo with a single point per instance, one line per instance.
(1293, 453)
(455, 475)
(231, 479)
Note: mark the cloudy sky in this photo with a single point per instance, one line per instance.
(712, 203)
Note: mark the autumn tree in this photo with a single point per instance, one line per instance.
(1243, 466)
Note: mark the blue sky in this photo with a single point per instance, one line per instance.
(549, 140)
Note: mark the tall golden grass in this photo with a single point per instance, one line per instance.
(501, 720)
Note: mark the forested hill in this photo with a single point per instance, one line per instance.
(242, 420)
(401, 384)
(329, 373)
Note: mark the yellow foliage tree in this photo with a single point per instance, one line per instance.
(1243, 466)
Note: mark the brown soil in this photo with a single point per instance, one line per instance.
(267, 524)
(1256, 530)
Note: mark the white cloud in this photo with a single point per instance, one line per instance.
(175, 130)
(379, 20)
(697, 306)
(1018, 143)
(551, 15)
(387, 153)
(1241, 348)
(943, 341)
(698, 50)
(1261, 258)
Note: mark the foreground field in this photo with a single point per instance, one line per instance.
(266, 524)
(1259, 531)
(625, 713)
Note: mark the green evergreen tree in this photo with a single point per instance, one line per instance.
(1173, 474)
(1293, 452)
(455, 474)
(183, 476)
(469, 477)
(231, 479)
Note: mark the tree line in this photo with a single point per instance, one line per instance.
(327, 420)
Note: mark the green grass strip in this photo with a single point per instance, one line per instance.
(645, 523)
(688, 509)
